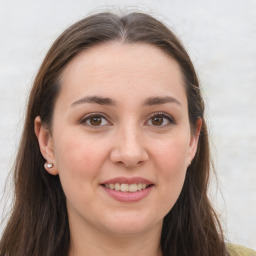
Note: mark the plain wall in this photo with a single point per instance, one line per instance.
(221, 39)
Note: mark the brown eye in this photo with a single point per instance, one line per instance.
(95, 120)
(160, 120)
(157, 120)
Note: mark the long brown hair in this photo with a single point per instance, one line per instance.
(38, 224)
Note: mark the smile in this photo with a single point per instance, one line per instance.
(126, 187)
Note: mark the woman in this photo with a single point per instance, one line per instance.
(114, 157)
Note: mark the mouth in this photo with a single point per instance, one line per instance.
(123, 187)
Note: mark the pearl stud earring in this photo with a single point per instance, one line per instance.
(48, 165)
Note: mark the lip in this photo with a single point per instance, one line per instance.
(128, 196)
(125, 180)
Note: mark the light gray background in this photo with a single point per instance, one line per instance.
(220, 36)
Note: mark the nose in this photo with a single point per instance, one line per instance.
(129, 149)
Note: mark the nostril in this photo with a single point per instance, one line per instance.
(128, 157)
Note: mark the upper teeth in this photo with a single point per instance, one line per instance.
(126, 187)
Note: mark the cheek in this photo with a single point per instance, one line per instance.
(79, 163)
(172, 156)
(78, 160)
(171, 170)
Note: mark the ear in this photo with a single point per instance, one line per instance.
(45, 142)
(194, 141)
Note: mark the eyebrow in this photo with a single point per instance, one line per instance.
(160, 100)
(95, 99)
(110, 102)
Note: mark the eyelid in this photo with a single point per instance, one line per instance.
(170, 119)
(83, 120)
(92, 114)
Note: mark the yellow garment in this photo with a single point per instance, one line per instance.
(238, 250)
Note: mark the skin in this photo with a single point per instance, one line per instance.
(128, 142)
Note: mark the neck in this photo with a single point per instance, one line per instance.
(91, 242)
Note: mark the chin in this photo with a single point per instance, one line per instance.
(132, 224)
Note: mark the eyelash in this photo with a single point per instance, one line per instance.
(91, 115)
(163, 115)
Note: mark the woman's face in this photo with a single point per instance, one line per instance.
(120, 123)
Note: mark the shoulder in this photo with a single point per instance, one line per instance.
(238, 250)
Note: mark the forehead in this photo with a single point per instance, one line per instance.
(114, 68)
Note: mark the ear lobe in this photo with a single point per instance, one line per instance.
(45, 142)
(194, 140)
